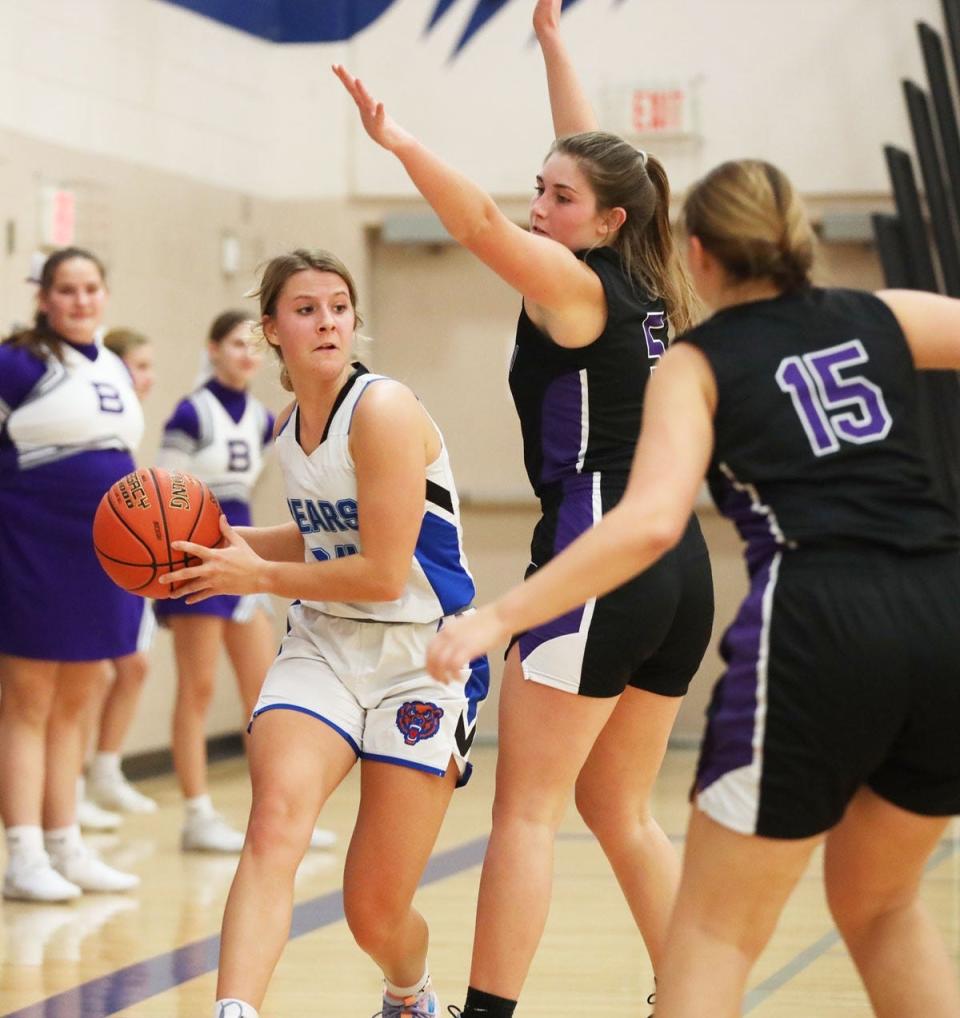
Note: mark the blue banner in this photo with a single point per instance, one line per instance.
(329, 20)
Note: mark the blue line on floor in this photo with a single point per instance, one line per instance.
(128, 986)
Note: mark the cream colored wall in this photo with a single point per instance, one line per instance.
(161, 87)
(813, 86)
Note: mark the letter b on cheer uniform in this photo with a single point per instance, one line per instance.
(238, 455)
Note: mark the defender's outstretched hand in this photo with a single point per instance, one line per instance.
(381, 128)
(546, 17)
(464, 639)
(569, 105)
(231, 568)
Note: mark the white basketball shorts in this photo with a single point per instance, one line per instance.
(368, 682)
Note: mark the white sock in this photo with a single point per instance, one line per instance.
(402, 992)
(81, 788)
(25, 841)
(61, 840)
(105, 765)
(231, 1007)
(199, 805)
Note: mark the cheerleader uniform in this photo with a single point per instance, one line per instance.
(219, 435)
(67, 430)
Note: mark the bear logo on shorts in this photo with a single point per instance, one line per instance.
(418, 720)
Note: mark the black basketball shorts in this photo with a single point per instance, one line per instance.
(650, 633)
(843, 669)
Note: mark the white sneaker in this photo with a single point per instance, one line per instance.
(231, 1008)
(322, 838)
(83, 867)
(91, 817)
(37, 880)
(114, 792)
(209, 832)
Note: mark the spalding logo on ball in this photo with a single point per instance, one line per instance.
(141, 516)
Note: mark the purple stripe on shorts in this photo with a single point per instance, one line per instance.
(574, 516)
(561, 427)
(728, 743)
(754, 527)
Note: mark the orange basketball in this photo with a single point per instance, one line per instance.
(139, 518)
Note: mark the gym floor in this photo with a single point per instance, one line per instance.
(153, 954)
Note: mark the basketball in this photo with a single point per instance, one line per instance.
(141, 516)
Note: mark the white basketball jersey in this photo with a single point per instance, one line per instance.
(77, 406)
(228, 455)
(322, 497)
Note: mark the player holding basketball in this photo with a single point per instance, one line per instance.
(69, 419)
(837, 717)
(218, 433)
(599, 278)
(375, 561)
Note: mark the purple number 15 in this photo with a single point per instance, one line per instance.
(834, 407)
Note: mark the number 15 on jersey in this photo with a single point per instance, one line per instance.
(835, 407)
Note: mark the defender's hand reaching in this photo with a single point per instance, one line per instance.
(546, 17)
(381, 128)
(464, 639)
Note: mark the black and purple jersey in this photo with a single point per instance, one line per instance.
(842, 661)
(817, 436)
(580, 412)
(580, 409)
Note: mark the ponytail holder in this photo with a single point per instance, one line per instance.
(643, 155)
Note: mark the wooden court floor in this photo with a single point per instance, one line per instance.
(153, 954)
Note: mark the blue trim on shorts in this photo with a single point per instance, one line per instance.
(477, 686)
(303, 710)
(465, 776)
(403, 763)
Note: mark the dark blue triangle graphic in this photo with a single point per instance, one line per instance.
(332, 22)
(482, 13)
(292, 20)
(438, 12)
(312, 21)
